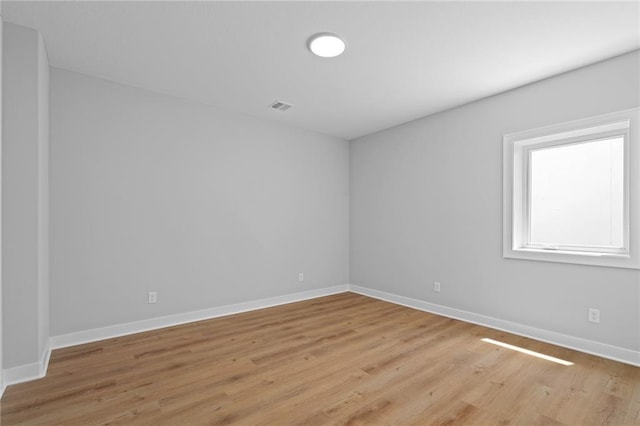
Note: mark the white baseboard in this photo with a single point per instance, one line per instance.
(37, 370)
(603, 350)
(87, 336)
(26, 372)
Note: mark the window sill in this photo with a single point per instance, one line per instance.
(576, 253)
(613, 260)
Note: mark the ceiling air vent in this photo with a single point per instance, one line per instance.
(280, 106)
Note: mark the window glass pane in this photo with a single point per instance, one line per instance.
(576, 194)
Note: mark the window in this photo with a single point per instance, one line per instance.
(569, 192)
(576, 196)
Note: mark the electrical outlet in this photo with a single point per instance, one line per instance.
(153, 297)
(300, 277)
(436, 286)
(594, 315)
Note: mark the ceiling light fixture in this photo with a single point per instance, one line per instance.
(326, 45)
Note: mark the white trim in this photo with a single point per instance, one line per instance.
(38, 370)
(603, 350)
(96, 334)
(27, 372)
(44, 362)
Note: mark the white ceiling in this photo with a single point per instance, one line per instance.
(403, 60)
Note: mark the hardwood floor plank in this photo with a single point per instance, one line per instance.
(344, 359)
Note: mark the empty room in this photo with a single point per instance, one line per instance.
(320, 213)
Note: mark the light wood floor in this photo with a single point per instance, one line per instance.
(343, 359)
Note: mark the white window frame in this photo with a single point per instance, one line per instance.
(516, 173)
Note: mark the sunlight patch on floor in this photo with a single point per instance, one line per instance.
(527, 351)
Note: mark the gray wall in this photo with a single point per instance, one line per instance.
(43, 197)
(1, 310)
(24, 197)
(426, 205)
(152, 193)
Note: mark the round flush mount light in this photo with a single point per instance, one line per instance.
(326, 45)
